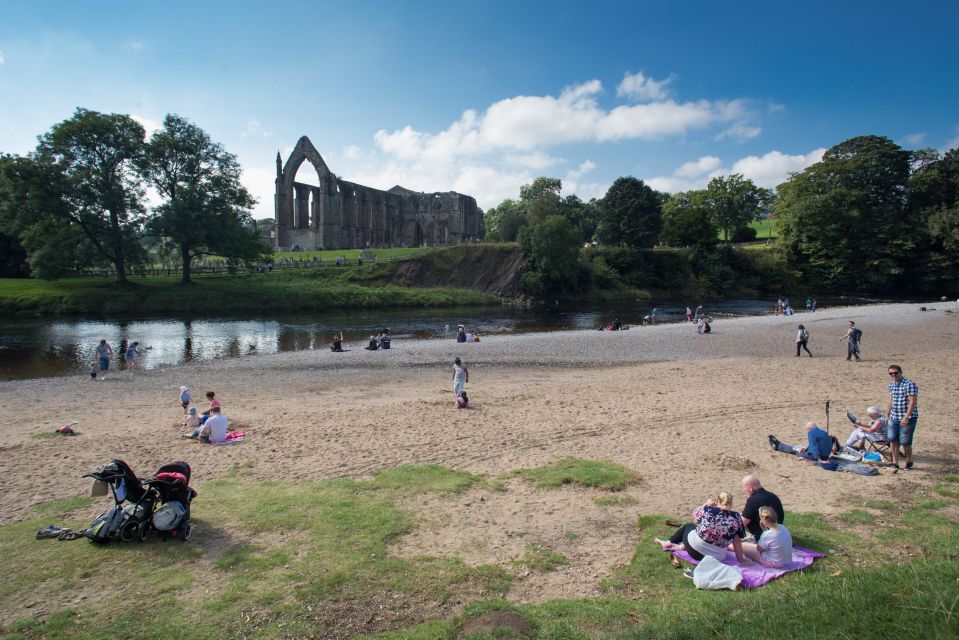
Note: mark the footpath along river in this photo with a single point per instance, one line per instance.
(35, 348)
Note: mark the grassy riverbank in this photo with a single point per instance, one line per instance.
(285, 559)
(258, 292)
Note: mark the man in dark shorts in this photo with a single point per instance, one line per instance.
(758, 497)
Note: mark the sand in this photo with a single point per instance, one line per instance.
(690, 413)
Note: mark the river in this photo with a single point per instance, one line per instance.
(33, 348)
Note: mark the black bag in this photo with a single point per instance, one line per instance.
(106, 526)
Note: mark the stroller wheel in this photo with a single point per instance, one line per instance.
(185, 531)
(128, 531)
(143, 530)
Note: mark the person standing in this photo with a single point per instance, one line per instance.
(461, 375)
(903, 412)
(852, 337)
(802, 341)
(130, 357)
(814, 305)
(104, 355)
(689, 314)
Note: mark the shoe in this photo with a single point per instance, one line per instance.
(909, 465)
(894, 466)
(774, 442)
(688, 573)
(673, 560)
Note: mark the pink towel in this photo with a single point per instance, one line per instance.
(232, 437)
(755, 575)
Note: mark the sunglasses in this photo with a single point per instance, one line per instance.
(894, 373)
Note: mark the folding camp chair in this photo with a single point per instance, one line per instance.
(882, 447)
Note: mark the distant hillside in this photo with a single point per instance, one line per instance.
(490, 268)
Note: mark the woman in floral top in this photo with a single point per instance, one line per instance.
(717, 525)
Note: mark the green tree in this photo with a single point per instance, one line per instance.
(843, 221)
(630, 214)
(733, 202)
(503, 222)
(582, 215)
(96, 156)
(541, 188)
(687, 221)
(551, 247)
(205, 209)
(934, 204)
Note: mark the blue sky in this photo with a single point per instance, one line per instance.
(481, 99)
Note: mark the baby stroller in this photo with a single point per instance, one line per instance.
(171, 498)
(132, 509)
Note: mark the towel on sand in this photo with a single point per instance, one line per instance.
(755, 575)
(232, 437)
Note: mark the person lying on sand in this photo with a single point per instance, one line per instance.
(819, 446)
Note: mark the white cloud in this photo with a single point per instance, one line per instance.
(3, 58)
(953, 142)
(536, 160)
(136, 46)
(697, 168)
(914, 139)
(637, 86)
(587, 166)
(254, 129)
(352, 152)
(767, 170)
(740, 132)
(261, 183)
(150, 126)
(774, 168)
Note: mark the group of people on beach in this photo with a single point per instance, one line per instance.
(757, 535)
(893, 427)
(784, 308)
(103, 354)
(853, 337)
(210, 427)
(383, 341)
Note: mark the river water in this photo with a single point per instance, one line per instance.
(33, 348)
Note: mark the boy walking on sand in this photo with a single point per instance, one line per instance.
(852, 337)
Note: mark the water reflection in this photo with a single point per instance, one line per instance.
(30, 349)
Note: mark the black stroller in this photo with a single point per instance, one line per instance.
(172, 495)
(132, 509)
(161, 503)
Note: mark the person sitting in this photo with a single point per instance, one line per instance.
(215, 428)
(462, 401)
(819, 446)
(775, 546)
(874, 431)
(211, 396)
(373, 345)
(706, 327)
(759, 497)
(716, 527)
(461, 333)
(385, 338)
(616, 326)
(337, 343)
(192, 422)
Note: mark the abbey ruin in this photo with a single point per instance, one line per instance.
(343, 215)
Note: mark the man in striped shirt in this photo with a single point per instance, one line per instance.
(903, 412)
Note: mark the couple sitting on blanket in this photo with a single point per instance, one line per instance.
(718, 528)
(214, 430)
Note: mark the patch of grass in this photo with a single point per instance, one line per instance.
(856, 516)
(540, 558)
(596, 474)
(570, 535)
(881, 505)
(43, 435)
(63, 505)
(947, 490)
(241, 470)
(950, 478)
(615, 501)
(429, 477)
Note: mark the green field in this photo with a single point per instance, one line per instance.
(326, 288)
(313, 559)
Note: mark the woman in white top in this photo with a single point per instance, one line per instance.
(775, 546)
(461, 375)
(874, 431)
(802, 341)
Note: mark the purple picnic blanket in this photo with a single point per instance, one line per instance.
(756, 575)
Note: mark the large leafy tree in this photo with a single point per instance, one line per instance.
(687, 221)
(582, 215)
(77, 199)
(630, 214)
(844, 222)
(551, 246)
(503, 222)
(733, 202)
(205, 209)
(934, 204)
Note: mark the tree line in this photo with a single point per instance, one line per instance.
(870, 217)
(79, 199)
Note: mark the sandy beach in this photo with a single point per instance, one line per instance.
(690, 413)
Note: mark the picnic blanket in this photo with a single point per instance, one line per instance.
(232, 437)
(755, 575)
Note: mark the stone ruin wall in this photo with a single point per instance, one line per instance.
(344, 215)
